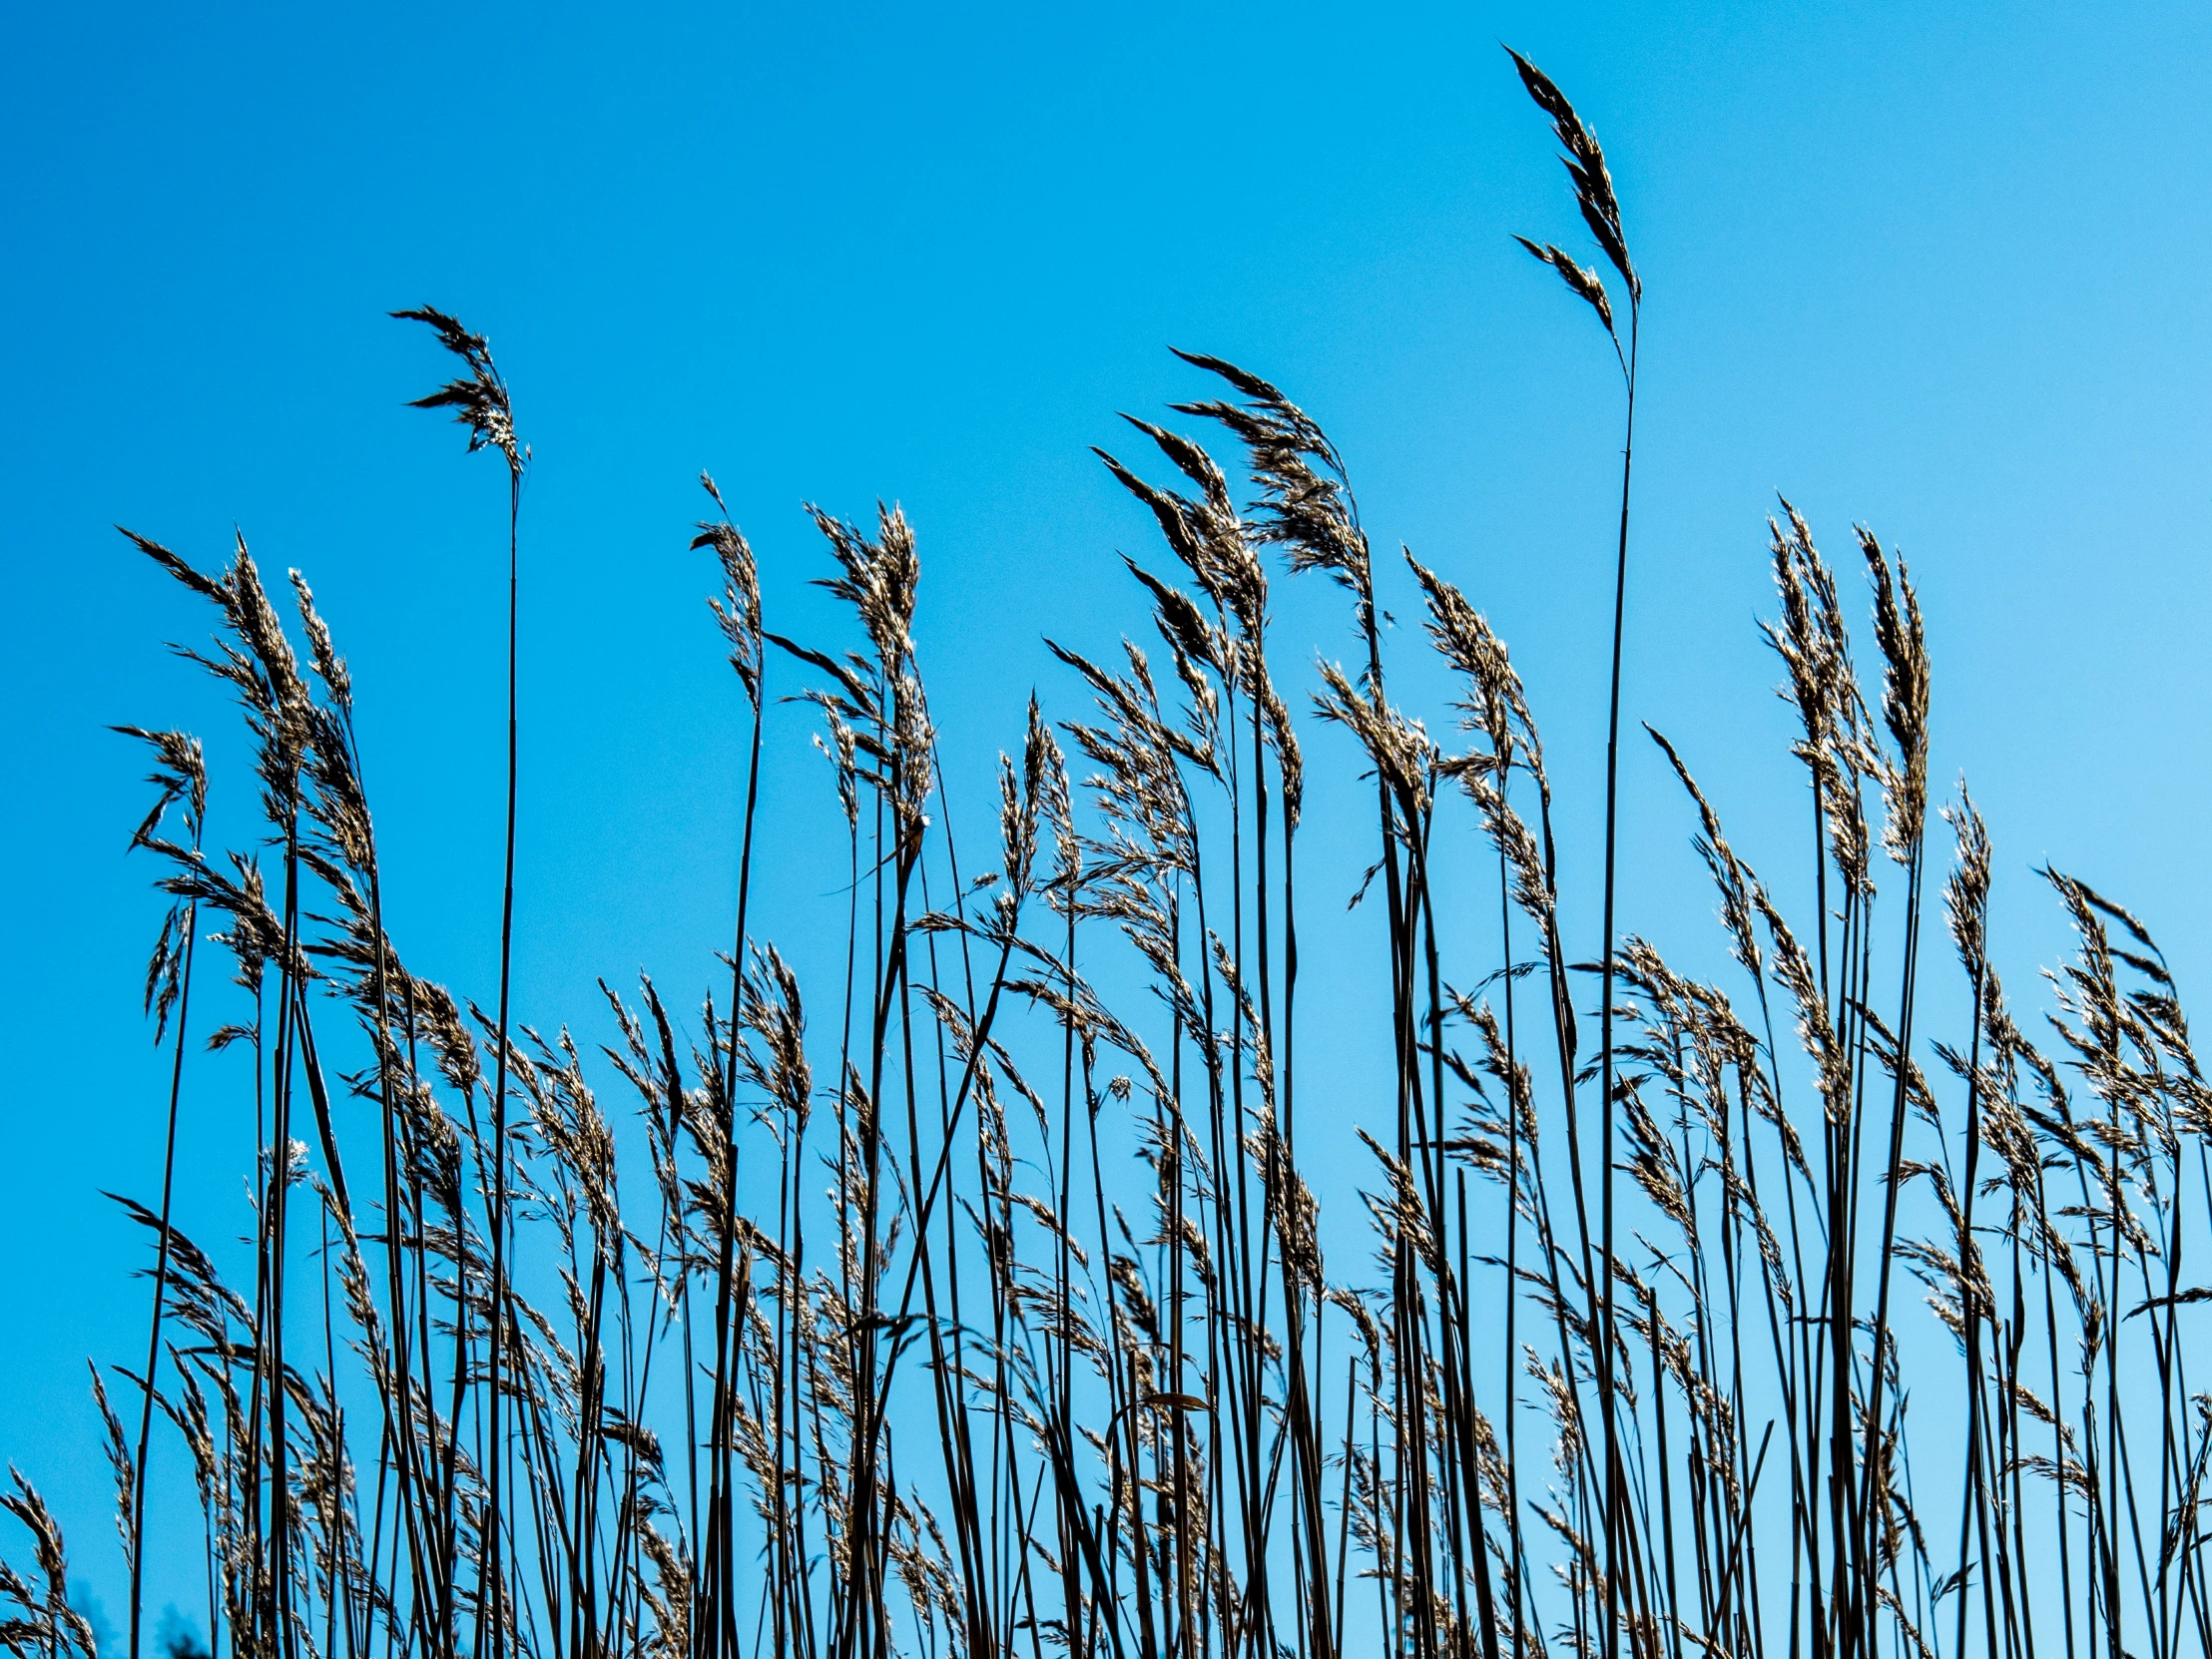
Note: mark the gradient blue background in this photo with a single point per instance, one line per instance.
(1941, 268)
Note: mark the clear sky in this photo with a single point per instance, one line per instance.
(1937, 268)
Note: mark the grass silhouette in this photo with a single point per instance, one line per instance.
(903, 1350)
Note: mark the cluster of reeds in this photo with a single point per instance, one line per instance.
(990, 1315)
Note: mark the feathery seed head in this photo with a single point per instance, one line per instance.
(738, 611)
(1586, 165)
(480, 401)
(1305, 503)
(1905, 696)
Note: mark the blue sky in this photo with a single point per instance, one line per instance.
(1940, 268)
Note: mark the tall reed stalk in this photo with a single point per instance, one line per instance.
(1593, 194)
(479, 402)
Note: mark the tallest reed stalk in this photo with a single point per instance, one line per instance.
(1600, 209)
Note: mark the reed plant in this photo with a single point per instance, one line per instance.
(989, 1314)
